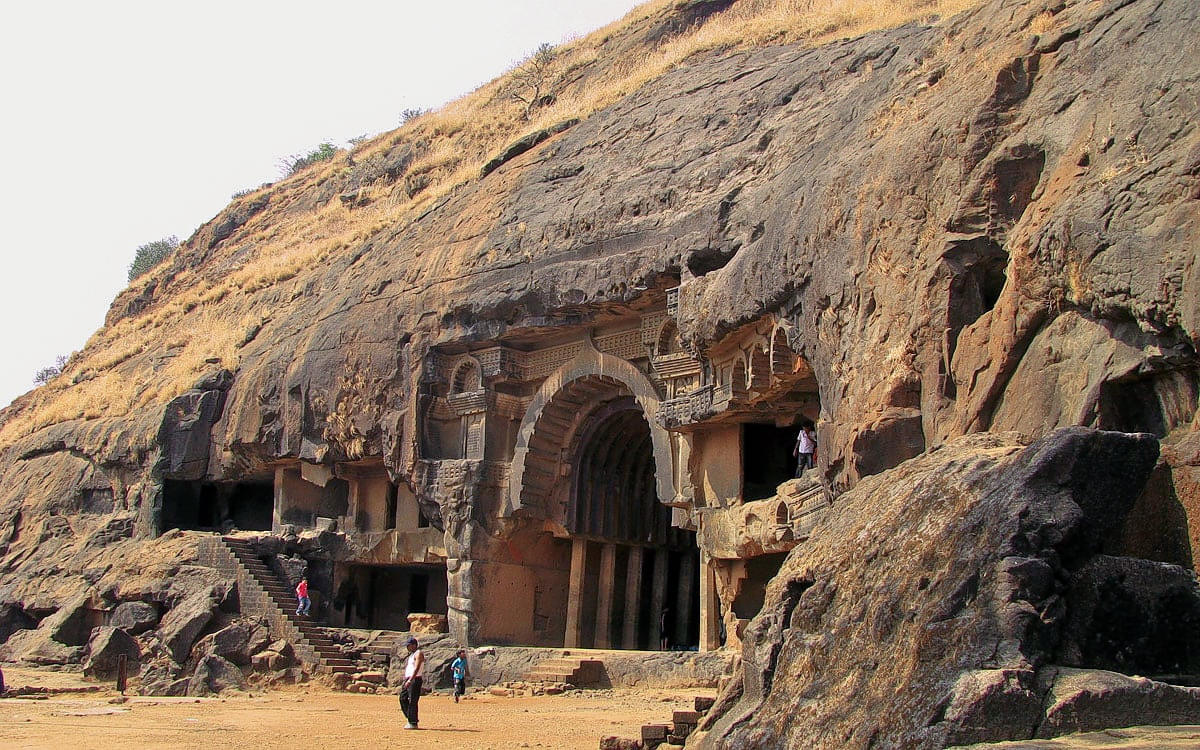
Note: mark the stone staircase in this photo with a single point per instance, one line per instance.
(263, 593)
(571, 670)
(675, 734)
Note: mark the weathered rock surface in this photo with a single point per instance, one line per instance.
(1086, 700)
(958, 205)
(105, 649)
(12, 619)
(987, 223)
(58, 639)
(215, 675)
(931, 605)
(1132, 738)
(134, 617)
(236, 643)
(182, 625)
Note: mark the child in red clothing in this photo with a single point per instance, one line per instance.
(302, 594)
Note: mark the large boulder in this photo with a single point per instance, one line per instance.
(134, 617)
(105, 649)
(192, 580)
(215, 675)
(71, 624)
(181, 626)
(37, 647)
(236, 643)
(163, 678)
(1083, 700)
(928, 604)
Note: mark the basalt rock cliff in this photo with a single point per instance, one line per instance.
(986, 223)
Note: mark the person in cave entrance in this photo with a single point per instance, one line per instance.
(806, 449)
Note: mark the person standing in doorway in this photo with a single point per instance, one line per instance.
(806, 447)
(410, 689)
(305, 604)
(458, 670)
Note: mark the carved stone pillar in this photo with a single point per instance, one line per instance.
(605, 599)
(574, 633)
(633, 599)
(710, 607)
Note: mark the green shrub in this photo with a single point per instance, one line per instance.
(151, 254)
(290, 165)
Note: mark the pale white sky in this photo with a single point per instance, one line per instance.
(124, 122)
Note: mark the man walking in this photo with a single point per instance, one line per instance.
(410, 689)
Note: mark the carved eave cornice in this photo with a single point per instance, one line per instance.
(472, 402)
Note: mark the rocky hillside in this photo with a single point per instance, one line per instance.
(989, 210)
(980, 222)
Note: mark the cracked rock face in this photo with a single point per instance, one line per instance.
(935, 602)
(988, 224)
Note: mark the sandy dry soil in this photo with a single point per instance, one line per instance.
(318, 718)
(314, 717)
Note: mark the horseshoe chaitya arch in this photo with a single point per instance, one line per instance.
(542, 435)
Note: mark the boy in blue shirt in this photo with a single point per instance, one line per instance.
(458, 670)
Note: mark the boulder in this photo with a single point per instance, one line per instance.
(184, 622)
(105, 648)
(194, 580)
(162, 678)
(231, 643)
(134, 617)
(929, 600)
(619, 743)
(1083, 700)
(37, 647)
(58, 639)
(70, 625)
(215, 675)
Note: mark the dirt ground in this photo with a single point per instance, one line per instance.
(314, 716)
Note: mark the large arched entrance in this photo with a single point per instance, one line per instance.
(634, 577)
(594, 468)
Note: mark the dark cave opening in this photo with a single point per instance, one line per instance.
(753, 590)
(217, 506)
(979, 268)
(1155, 403)
(767, 459)
(383, 596)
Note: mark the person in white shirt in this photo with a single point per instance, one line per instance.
(806, 447)
(410, 689)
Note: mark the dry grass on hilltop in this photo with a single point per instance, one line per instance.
(145, 360)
